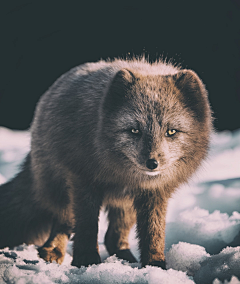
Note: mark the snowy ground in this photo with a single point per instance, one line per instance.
(202, 233)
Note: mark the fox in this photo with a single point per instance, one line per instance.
(120, 134)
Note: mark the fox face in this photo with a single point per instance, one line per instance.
(156, 127)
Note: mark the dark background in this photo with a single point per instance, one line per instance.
(40, 40)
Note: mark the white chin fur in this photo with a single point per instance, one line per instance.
(153, 173)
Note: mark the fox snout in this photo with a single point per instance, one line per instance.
(152, 164)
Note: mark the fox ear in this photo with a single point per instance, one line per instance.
(188, 80)
(193, 92)
(121, 82)
(118, 91)
(124, 76)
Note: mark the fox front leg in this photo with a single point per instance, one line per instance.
(151, 214)
(85, 248)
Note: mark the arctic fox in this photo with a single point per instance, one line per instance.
(122, 134)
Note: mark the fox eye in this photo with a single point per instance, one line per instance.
(135, 131)
(170, 132)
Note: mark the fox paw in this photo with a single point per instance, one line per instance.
(51, 254)
(85, 259)
(54, 249)
(126, 255)
(160, 263)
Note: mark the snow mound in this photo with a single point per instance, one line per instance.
(197, 226)
(221, 266)
(186, 257)
(204, 267)
(23, 266)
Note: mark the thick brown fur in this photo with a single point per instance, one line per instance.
(123, 134)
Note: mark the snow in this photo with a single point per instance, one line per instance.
(202, 231)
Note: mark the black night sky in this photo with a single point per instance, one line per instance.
(40, 40)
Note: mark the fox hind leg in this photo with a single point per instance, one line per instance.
(55, 247)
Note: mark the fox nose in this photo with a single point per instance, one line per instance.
(151, 164)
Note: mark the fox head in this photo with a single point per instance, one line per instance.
(154, 129)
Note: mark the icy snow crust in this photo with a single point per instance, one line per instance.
(202, 232)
